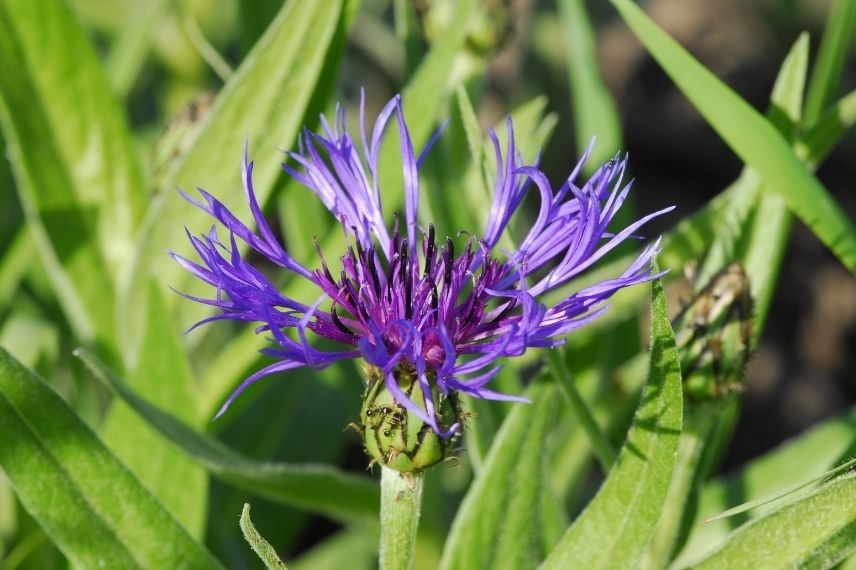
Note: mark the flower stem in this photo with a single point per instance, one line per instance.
(599, 443)
(400, 506)
(259, 545)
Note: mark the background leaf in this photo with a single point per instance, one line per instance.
(814, 532)
(284, 65)
(800, 459)
(615, 526)
(77, 175)
(163, 376)
(315, 487)
(499, 523)
(837, 39)
(84, 499)
(753, 138)
(595, 113)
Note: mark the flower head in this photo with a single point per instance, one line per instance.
(430, 316)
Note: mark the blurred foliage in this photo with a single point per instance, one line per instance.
(106, 107)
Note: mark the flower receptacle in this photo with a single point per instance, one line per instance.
(399, 438)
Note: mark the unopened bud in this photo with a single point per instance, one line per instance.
(713, 335)
(398, 438)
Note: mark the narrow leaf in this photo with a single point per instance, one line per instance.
(749, 135)
(93, 509)
(787, 492)
(834, 47)
(470, 122)
(819, 141)
(129, 50)
(595, 113)
(814, 532)
(317, 488)
(14, 264)
(86, 123)
(615, 526)
(499, 524)
(59, 226)
(163, 376)
(800, 459)
(264, 104)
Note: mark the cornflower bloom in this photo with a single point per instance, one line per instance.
(429, 318)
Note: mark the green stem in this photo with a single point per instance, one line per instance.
(400, 506)
(205, 49)
(260, 546)
(599, 443)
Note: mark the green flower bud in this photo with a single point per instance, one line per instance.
(713, 335)
(398, 438)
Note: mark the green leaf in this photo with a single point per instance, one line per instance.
(74, 169)
(819, 141)
(29, 338)
(579, 408)
(595, 113)
(317, 488)
(757, 223)
(8, 515)
(786, 99)
(499, 523)
(90, 505)
(814, 532)
(470, 123)
(749, 135)
(86, 123)
(797, 460)
(263, 104)
(699, 421)
(422, 100)
(740, 509)
(351, 549)
(163, 376)
(705, 423)
(407, 32)
(616, 525)
(767, 234)
(259, 545)
(482, 433)
(14, 264)
(770, 221)
(128, 53)
(836, 42)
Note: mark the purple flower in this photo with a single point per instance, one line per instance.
(405, 297)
